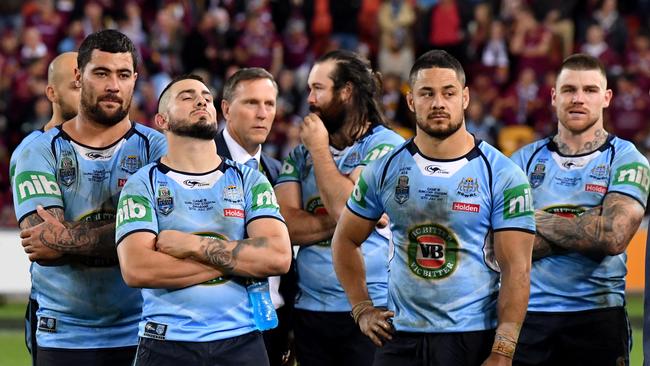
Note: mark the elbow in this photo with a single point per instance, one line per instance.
(281, 260)
(616, 248)
(132, 277)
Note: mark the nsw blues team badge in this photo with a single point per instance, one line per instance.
(165, 200)
(67, 172)
(537, 176)
(130, 164)
(402, 189)
(468, 187)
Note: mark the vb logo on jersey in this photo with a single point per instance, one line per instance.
(132, 209)
(565, 210)
(264, 197)
(432, 251)
(517, 201)
(634, 174)
(67, 171)
(36, 184)
(315, 206)
(165, 200)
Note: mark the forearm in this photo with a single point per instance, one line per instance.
(83, 238)
(350, 269)
(306, 228)
(334, 187)
(543, 248)
(159, 270)
(513, 299)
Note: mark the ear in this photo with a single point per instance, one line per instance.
(346, 92)
(553, 95)
(465, 98)
(50, 94)
(77, 75)
(409, 101)
(161, 122)
(225, 109)
(608, 97)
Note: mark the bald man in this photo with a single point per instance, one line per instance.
(63, 92)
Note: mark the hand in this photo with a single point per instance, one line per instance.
(36, 238)
(313, 133)
(375, 324)
(174, 243)
(496, 359)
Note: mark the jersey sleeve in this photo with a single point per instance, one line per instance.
(35, 181)
(260, 197)
(364, 200)
(519, 158)
(512, 199)
(380, 145)
(135, 210)
(291, 166)
(157, 146)
(630, 175)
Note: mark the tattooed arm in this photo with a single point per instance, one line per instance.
(599, 232)
(543, 248)
(143, 266)
(266, 253)
(48, 229)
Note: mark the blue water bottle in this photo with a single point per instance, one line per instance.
(263, 310)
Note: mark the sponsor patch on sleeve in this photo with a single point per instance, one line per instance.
(377, 152)
(517, 201)
(359, 192)
(289, 169)
(264, 197)
(633, 174)
(133, 208)
(36, 184)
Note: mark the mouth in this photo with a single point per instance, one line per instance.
(201, 112)
(577, 113)
(434, 116)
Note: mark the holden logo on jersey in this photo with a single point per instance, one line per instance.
(595, 188)
(537, 176)
(634, 174)
(264, 197)
(130, 164)
(600, 172)
(432, 251)
(132, 209)
(517, 201)
(221, 279)
(67, 171)
(193, 183)
(434, 169)
(402, 189)
(468, 187)
(467, 207)
(96, 155)
(36, 184)
(565, 210)
(165, 200)
(315, 206)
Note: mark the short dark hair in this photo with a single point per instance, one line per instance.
(164, 96)
(583, 62)
(439, 59)
(366, 86)
(107, 40)
(245, 74)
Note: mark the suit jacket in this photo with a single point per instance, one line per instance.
(271, 168)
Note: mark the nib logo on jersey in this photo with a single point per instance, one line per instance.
(565, 210)
(517, 201)
(432, 251)
(132, 209)
(634, 174)
(36, 184)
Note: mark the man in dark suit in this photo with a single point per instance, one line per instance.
(248, 106)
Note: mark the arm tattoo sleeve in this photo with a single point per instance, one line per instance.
(224, 254)
(594, 232)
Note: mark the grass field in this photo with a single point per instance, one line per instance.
(14, 353)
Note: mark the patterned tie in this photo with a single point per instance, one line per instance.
(252, 163)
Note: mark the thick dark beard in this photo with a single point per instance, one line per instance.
(439, 134)
(98, 115)
(202, 130)
(333, 114)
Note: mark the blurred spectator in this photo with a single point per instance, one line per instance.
(557, 15)
(522, 100)
(74, 36)
(610, 20)
(637, 60)
(369, 32)
(445, 29)
(596, 46)
(395, 15)
(131, 24)
(48, 21)
(628, 109)
(296, 44)
(495, 54)
(41, 115)
(397, 54)
(395, 106)
(483, 126)
(167, 41)
(93, 18)
(33, 46)
(344, 23)
(530, 42)
(259, 45)
(478, 31)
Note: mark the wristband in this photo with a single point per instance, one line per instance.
(360, 308)
(504, 346)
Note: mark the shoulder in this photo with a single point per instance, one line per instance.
(147, 132)
(497, 161)
(625, 147)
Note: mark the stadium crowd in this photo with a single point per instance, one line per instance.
(511, 49)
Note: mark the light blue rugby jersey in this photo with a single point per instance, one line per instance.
(216, 204)
(319, 289)
(12, 170)
(443, 274)
(85, 304)
(568, 185)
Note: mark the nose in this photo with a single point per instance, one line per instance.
(201, 101)
(311, 99)
(436, 102)
(113, 85)
(262, 111)
(578, 97)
